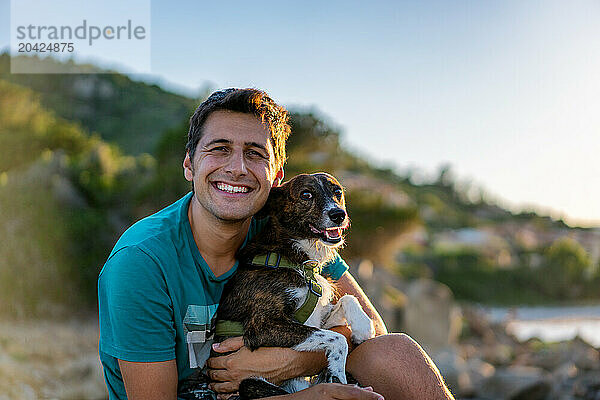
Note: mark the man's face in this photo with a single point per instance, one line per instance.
(233, 167)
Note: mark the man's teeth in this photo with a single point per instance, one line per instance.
(231, 189)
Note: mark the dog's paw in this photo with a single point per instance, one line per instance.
(257, 388)
(328, 376)
(362, 330)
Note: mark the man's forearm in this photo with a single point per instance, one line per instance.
(275, 364)
(308, 363)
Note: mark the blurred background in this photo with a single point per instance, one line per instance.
(466, 134)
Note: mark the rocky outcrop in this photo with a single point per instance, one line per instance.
(498, 366)
(516, 383)
(430, 315)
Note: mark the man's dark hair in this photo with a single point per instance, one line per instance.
(248, 101)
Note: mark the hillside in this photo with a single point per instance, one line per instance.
(72, 180)
(122, 111)
(64, 196)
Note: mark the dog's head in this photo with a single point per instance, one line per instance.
(310, 207)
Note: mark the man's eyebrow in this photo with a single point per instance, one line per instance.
(216, 141)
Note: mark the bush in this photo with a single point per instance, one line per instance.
(567, 270)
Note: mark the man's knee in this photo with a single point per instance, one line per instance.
(377, 353)
(396, 366)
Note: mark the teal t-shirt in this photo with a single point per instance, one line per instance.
(157, 296)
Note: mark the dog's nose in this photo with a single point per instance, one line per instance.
(337, 215)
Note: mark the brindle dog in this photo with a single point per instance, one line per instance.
(307, 217)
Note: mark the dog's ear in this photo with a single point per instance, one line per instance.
(276, 195)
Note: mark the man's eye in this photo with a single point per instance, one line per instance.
(254, 153)
(306, 195)
(219, 149)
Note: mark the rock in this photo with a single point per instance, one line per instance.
(583, 354)
(454, 370)
(477, 325)
(383, 288)
(562, 379)
(545, 358)
(565, 371)
(498, 354)
(587, 386)
(552, 356)
(516, 383)
(479, 371)
(430, 316)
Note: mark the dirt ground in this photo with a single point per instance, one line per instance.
(50, 360)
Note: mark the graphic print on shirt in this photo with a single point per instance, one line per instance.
(198, 326)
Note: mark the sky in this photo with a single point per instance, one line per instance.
(507, 92)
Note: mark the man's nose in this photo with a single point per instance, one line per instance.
(236, 165)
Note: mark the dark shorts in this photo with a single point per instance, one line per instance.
(196, 387)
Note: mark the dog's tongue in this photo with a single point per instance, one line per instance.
(315, 230)
(333, 233)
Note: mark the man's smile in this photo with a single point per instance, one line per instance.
(231, 189)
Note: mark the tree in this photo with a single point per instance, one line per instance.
(566, 269)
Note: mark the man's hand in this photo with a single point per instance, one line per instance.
(276, 364)
(333, 391)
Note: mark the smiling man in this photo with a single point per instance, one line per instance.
(162, 282)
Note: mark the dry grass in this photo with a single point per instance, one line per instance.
(50, 360)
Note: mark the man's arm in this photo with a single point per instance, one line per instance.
(136, 324)
(348, 285)
(275, 364)
(267, 362)
(150, 380)
(279, 364)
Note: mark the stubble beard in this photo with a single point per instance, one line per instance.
(211, 208)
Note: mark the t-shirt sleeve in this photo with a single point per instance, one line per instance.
(136, 312)
(335, 268)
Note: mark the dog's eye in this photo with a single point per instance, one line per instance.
(338, 192)
(306, 195)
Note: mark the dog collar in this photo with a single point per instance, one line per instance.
(274, 260)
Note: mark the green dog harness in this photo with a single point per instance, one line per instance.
(274, 260)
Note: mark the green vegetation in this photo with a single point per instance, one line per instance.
(568, 272)
(565, 274)
(61, 191)
(130, 114)
(84, 156)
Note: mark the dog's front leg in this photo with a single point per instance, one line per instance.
(349, 310)
(287, 333)
(336, 350)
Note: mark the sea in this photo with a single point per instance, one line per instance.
(551, 324)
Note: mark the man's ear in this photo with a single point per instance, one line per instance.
(188, 168)
(278, 177)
